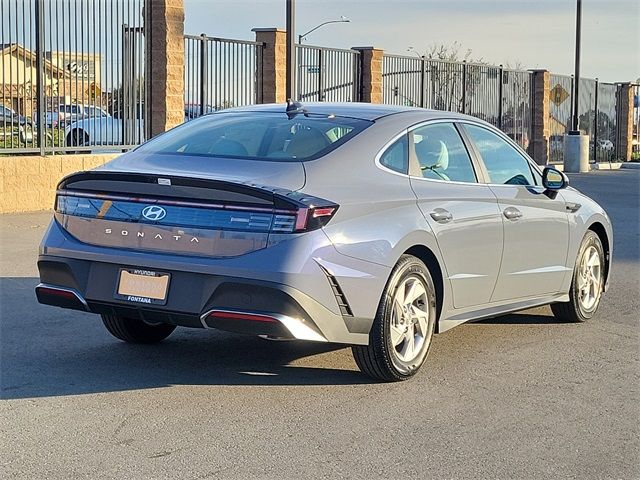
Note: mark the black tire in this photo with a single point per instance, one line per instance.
(133, 330)
(574, 310)
(380, 359)
(77, 138)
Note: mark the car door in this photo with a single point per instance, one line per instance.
(536, 225)
(462, 211)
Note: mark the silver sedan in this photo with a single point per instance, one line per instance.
(374, 226)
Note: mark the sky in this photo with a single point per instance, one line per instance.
(534, 34)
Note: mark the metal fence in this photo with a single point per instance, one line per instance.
(497, 95)
(605, 123)
(71, 75)
(220, 73)
(635, 143)
(560, 107)
(327, 74)
(597, 116)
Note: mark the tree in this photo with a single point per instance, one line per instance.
(446, 74)
(129, 97)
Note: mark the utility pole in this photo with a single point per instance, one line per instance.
(291, 48)
(576, 145)
(576, 75)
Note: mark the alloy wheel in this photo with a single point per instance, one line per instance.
(590, 279)
(409, 319)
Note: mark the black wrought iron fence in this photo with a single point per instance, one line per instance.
(597, 117)
(72, 75)
(220, 73)
(560, 108)
(327, 74)
(403, 79)
(516, 113)
(497, 95)
(605, 123)
(635, 142)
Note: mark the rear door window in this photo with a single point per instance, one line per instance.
(441, 154)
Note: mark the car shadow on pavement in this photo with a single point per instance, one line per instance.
(48, 351)
(524, 319)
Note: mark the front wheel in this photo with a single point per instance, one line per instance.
(133, 330)
(587, 284)
(401, 333)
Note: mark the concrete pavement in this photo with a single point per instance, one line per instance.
(521, 396)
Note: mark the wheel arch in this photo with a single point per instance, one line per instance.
(427, 256)
(600, 230)
(77, 130)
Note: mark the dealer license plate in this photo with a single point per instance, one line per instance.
(143, 286)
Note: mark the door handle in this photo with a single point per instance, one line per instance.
(512, 213)
(441, 215)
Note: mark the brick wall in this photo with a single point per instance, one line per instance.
(28, 183)
(371, 62)
(164, 34)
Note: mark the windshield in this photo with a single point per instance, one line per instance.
(258, 136)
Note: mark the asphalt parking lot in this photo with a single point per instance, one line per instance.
(521, 396)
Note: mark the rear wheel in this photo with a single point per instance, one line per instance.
(403, 328)
(133, 330)
(77, 138)
(587, 283)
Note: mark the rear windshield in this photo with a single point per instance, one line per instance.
(258, 136)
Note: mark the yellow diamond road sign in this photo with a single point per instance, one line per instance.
(559, 94)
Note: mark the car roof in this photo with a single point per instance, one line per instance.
(363, 111)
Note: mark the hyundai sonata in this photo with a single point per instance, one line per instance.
(368, 225)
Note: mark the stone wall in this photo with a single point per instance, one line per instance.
(28, 183)
(164, 82)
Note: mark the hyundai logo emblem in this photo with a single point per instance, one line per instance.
(154, 213)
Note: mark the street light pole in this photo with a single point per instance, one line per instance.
(576, 75)
(342, 20)
(291, 48)
(576, 145)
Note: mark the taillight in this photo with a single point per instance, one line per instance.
(312, 218)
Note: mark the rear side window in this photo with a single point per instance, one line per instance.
(258, 136)
(396, 157)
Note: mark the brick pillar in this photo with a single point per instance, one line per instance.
(274, 64)
(541, 131)
(624, 113)
(370, 74)
(164, 49)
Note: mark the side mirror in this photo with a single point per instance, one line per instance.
(553, 179)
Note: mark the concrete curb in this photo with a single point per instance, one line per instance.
(606, 166)
(631, 165)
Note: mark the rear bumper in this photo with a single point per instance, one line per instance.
(198, 300)
(289, 286)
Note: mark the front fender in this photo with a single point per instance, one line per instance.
(590, 216)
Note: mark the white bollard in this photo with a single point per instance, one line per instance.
(576, 153)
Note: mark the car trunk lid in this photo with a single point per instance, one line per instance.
(284, 174)
(183, 215)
